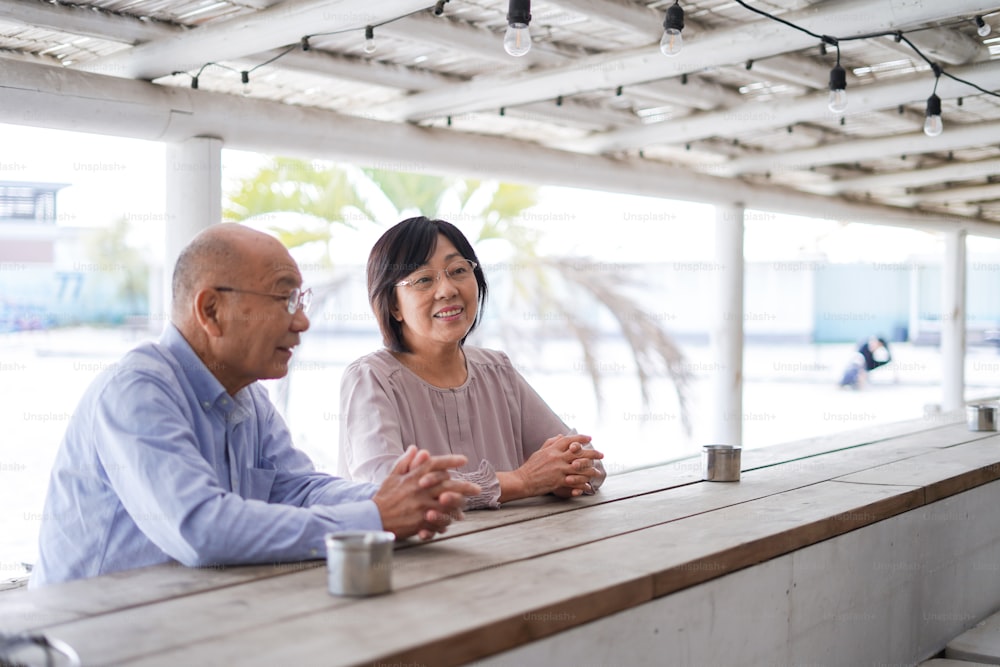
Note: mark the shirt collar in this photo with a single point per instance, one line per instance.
(209, 391)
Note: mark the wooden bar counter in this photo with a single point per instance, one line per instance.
(872, 547)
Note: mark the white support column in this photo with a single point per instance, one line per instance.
(727, 330)
(953, 321)
(194, 199)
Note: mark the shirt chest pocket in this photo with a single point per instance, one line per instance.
(258, 483)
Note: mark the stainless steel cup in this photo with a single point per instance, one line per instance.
(720, 463)
(359, 562)
(981, 417)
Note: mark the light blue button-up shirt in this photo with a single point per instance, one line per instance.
(159, 463)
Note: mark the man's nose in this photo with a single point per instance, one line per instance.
(300, 321)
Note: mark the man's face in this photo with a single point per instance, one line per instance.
(258, 332)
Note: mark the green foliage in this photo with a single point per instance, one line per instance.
(296, 186)
(417, 193)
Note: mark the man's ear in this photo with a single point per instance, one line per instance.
(206, 310)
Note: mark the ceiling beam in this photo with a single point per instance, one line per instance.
(962, 196)
(60, 98)
(620, 14)
(438, 32)
(944, 46)
(276, 26)
(755, 40)
(87, 21)
(913, 178)
(750, 117)
(956, 137)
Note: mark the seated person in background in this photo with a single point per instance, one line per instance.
(427, 387)
(873, 353)
(177, 453)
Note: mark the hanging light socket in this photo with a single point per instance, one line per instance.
(517, 39)
(369, 46)
(933, 125)
(838, 89)
(673, 23)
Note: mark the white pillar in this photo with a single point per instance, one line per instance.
(194, 199)
(953, 321)
(727, 329)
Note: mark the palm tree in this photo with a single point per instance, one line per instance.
(331, 195)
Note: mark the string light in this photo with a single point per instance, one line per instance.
(982, 27)
(673, 23)
(517, 39)
(517, 42)
(933, 125)
(838, 86)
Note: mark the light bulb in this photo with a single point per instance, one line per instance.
(245, 76)
(369, 46)
(671, 42)
(838, 100)
(517, 39)
(983, 27)
(933, 125)
(838, 89)
(673, 23)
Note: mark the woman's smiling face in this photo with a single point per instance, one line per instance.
(445, 312)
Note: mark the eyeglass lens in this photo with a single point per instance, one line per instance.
(457, 271)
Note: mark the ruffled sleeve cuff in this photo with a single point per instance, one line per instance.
(487, 480)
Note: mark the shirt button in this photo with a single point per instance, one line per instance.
(206, 405)
(313, 552)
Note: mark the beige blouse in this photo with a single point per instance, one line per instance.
(495, 419)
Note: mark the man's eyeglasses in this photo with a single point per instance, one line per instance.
(293, 301)
(458, 271)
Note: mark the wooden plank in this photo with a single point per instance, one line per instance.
(24, 610)
(869, 435)
(941, 473)
(203, 616)
(466, 617)
(901, 436)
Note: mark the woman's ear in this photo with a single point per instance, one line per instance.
(206, 310)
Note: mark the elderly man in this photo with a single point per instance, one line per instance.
(176, 453)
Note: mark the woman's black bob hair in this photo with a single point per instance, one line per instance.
(404, 248)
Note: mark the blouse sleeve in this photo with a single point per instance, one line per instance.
(371, 438)
(370, 435)
(539, 422)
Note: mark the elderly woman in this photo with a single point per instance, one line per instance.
(427, 387)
